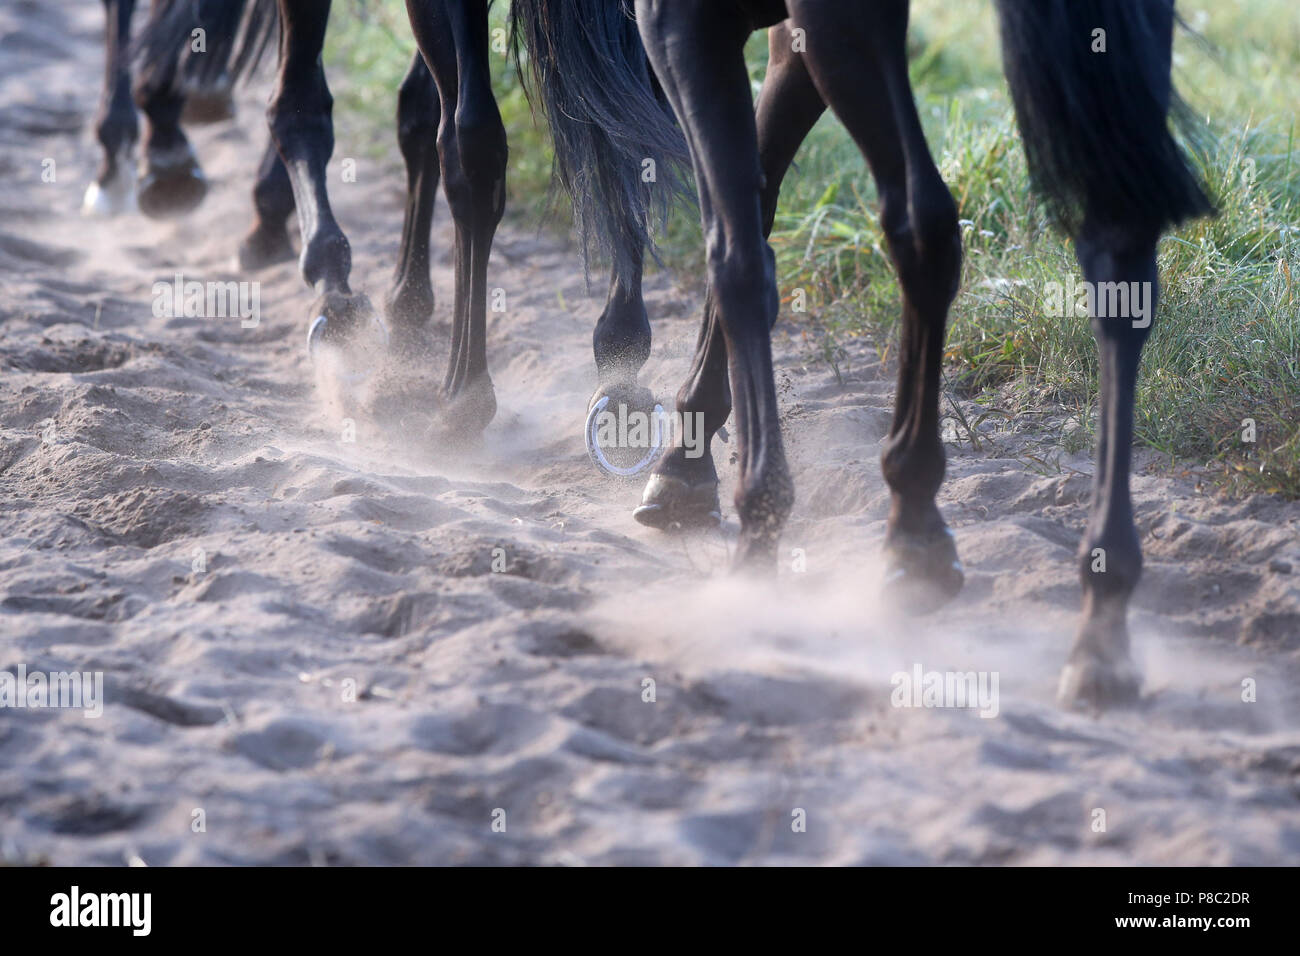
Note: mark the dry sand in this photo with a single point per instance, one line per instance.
(330, 566)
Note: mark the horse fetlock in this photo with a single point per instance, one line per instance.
(621, 340)
(326, 260)
(410, 303)
(1109, 570)
(913, 466)
(765, 502)
(468, 409)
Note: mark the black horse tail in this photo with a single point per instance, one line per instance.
(619, 153)
(235, 37)
(1094, 98)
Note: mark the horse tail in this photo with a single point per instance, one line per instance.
(1093, 94)
(235, 37)
(619, 153)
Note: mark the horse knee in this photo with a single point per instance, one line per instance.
(473, 154)
(934, 223)
(920, 225)
(298, 121)
(481, 141)
(744, 283)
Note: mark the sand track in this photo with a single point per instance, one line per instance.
(345, 679)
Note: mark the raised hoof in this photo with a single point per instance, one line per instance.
(263, 248)
(922, 572)
(626, 430)
(171, 185)
(670, 504)
(115, 195)
(346, 339)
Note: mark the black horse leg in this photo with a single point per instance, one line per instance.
(683, 491)
(621, 340)
(1099, 144)
(1099, 668)
(453, 37)
(171, 182)
(302, 128)
(116, 127)
(621, 344)
(857, 57)
(267, 242)
(697, 50)
(410, 301)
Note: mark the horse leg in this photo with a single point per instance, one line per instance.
(1099, 669)
(857, 57)
(116, 127)
(697, 50)
(302, 129)
(410, 301)
(683, 491)
(621, 345)
(453, 38)
(621, 340)
(171, 182)
(267, 242)
(1099, 145)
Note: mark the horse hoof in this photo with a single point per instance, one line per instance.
(107, 201)
(115, 196)
(466, 414)
(347, 338)
(1092, 683)
(626, 430)
(172, 184)
(922, 572)
(670, 503)
(1099, 672)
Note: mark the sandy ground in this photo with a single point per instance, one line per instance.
(129, 441)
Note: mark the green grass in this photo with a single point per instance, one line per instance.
(1226, 345)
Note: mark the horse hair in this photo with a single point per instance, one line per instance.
(1096, 125)
(607, 116)
(238, 34)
